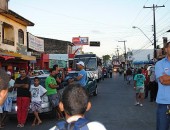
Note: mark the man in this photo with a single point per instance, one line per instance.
(82, 75)
(58, 76)
(162, 72)
(51, 86)
(4, 79)
(23, 97)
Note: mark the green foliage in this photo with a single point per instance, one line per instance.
(106, 58)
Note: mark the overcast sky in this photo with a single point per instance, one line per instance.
(107, 21)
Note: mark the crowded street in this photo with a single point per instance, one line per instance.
(113, 106)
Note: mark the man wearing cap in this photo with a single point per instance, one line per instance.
(82, 75)
(162, 72)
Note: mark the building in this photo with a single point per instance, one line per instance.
(53, 49)
(13, 41)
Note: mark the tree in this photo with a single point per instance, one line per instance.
(106, 58)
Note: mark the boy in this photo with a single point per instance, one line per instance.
(37, 92)
(75, 102)
(139, 81)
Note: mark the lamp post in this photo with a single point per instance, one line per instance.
(143, 34)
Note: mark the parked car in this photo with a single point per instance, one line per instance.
(46, 106)
(91, 85)
(41, 72)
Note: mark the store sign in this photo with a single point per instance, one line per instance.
(60, 63)
(80, 40)
(35, 43)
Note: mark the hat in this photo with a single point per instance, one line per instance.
(80, 63)
(8, 72)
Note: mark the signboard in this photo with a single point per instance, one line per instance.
(80, 40)
(94, 43)
(35, 43)
(61, 63)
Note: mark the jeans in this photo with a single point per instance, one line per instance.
(163, 120)
(23, 104)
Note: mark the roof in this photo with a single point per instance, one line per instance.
(18, 18)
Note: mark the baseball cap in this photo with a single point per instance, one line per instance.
(8, 72)
(80, 63)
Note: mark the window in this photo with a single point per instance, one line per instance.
(20, 36)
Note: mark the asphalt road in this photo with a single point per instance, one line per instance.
(114, 107)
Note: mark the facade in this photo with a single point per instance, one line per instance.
(13, 41)
(54, 50)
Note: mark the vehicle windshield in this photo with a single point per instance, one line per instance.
(46, 72)
(90, 63)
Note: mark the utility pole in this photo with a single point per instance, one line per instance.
(125, 53)
(117, 49)
(154, 26)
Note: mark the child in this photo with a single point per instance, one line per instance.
(75, 102)
(37, 92)
(139, 81)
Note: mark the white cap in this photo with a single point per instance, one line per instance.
(80, 63)
(8, 72)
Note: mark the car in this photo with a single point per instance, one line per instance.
(46, 105)
(91, 85)
(41, 72)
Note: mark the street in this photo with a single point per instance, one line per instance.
(114, 107)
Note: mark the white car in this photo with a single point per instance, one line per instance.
(41, 72)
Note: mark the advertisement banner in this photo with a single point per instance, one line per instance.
(35, 43)
(80, 40)
(60, 63)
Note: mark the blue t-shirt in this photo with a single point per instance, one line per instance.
(83, 80)
(140, 79)
(162, 67)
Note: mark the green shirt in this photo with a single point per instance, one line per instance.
(140, 79)
(50, 80)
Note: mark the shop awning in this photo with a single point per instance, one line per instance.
(13, 54)
(29, 58)
(6, 56)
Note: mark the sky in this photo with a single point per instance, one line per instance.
(107, 21)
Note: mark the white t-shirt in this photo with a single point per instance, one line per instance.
(37, 92)
(11, 84)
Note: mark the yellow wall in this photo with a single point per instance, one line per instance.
(16, 27)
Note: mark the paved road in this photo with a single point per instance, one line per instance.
(114, 107)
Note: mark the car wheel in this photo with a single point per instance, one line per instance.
(95, 92)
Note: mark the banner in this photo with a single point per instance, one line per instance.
(35, 43)
(60, 63)
(80, 40)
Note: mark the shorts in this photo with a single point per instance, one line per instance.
(7, 106)
(140, 89)
(36, 106)
(54, 99)
(129, 77)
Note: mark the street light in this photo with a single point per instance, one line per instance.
(143, 34)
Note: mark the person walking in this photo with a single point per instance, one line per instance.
(23, 97)
(82, 75)
(139, 80)
(129, 75)
(162, 72)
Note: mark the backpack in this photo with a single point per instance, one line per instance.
(80, 124)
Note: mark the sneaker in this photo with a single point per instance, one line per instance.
(19, 125)
(137, 103)
(141, 105)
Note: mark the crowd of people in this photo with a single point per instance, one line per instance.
(30, 95)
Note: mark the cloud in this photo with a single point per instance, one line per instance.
(97, 32)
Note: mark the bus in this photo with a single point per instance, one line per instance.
(92, 64)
